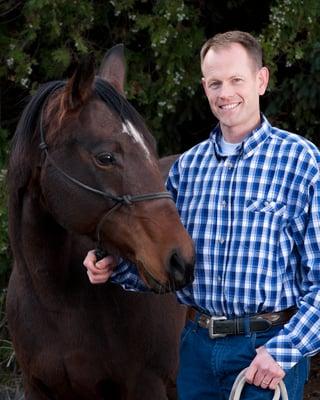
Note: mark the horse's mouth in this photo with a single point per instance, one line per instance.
(171, 285)
(153, 283)
(147, 277)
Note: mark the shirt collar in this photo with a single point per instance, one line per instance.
(251, 142)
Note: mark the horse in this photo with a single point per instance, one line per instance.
(84, 173)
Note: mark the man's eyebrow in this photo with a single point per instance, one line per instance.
(214, 80)
(231, 77)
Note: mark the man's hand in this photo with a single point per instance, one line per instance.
(264, 371)
(99, 272)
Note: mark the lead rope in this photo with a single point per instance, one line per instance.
(240, 381)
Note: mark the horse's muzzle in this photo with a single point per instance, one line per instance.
(181, 272)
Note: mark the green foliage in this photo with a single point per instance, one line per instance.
(164, 72)
(292, 49)
(50, 31)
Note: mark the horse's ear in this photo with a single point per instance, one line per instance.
(79, 86)
(113, 67)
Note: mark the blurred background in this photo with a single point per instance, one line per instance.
(42, 40)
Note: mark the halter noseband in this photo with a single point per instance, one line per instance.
(126, 199)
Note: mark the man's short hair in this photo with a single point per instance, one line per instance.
(222, 40)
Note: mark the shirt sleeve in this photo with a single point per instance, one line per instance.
(301, 336)
(173, 180)
(126, 275)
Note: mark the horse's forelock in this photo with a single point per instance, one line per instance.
(120, 105)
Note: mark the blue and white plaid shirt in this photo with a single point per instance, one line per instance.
(255, 221)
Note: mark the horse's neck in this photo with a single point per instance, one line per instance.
(46, 256)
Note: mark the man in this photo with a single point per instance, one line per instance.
(249, 198)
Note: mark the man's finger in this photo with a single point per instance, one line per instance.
(274, 382)
(97, 279)
(250, 374)
(265, 382)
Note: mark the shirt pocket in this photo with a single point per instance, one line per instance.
(263, 222)
(266, 206)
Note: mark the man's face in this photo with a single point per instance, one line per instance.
(233, 84)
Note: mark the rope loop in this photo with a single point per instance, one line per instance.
(240, 381)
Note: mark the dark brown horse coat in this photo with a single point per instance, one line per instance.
(74, 340)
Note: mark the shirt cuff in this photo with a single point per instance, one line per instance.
(283, 351)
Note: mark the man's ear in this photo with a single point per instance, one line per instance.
(263, 80)
(203, 82)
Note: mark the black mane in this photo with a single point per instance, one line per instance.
(29, 118)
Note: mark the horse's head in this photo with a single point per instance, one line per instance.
(96, 151)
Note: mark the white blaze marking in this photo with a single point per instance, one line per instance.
(136, 136)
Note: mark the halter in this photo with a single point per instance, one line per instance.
(119, 201)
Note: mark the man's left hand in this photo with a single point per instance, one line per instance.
(264, 371)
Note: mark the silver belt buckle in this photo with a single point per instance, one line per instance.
(211, 326)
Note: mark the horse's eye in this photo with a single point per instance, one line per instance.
(105, 158)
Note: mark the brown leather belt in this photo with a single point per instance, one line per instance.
(221, 326)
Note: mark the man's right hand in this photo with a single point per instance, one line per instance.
(99, 272)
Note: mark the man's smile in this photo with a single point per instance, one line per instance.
(229, 106)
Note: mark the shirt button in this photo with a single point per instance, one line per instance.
(229, 165)
(224, 203)
(219, 278)
(221, 240)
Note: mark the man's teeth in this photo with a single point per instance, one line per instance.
(229, 106)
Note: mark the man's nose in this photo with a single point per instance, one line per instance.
(226, 90)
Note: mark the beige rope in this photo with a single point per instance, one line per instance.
(241, 381)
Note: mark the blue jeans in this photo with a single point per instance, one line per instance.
(208, 367)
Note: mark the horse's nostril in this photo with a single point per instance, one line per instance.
(177, 268)
(181, 272)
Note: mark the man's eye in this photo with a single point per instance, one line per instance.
(214, 84)
(105, 158)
